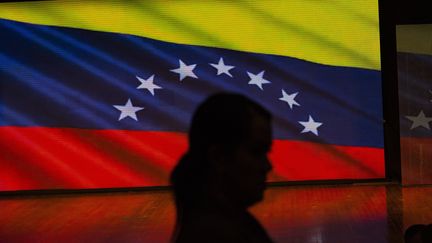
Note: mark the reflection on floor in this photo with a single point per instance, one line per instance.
(315, 214)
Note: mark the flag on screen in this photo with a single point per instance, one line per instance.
(415, 102)
(415, 94)
(88, 104)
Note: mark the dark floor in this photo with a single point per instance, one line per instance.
(312, 214)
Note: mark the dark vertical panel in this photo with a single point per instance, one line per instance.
(390, 90)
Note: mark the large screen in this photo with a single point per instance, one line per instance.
(99, 94)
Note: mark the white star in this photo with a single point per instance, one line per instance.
(222, 68)
(185, 70)
(257, 79)
(311, 126)
(148, 84)
(420, 120)
(128, 110)
(289, 98)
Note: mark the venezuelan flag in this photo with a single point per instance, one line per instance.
(99, 94)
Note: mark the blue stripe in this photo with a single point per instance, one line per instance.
(415, 87)
(64, 77)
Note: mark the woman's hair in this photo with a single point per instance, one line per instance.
(222, 120)
(426, 234)
(413, 230)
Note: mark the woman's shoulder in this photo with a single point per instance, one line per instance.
(212, 226)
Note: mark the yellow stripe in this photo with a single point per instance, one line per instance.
(342, 33)
(414, 38)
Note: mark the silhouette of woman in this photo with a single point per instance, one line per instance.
(223, 172)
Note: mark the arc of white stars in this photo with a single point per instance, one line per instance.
(289, 98)
(128, 110)
(148, 84)
(185, 70)
(222, 68)
(258, 79)
(311, 126)
(420, 120)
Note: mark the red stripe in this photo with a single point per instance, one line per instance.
(296, 161)
(67, 158)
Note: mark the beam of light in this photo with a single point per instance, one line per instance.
(85, 152)
(128, 89)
